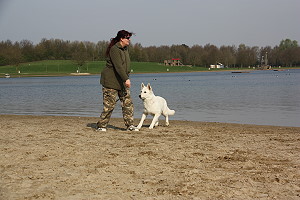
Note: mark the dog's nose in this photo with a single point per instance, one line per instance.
(140, 96)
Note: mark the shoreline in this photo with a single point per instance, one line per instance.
(149, 119)
(90, 74)
(58, 157)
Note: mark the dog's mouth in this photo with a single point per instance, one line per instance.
(140, 96)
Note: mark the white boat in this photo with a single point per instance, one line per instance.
(7, 76)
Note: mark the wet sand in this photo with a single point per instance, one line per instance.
(47, 157)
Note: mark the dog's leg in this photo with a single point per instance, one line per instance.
(156, 124)
(142, 121)
(167, 120)
(154, 121)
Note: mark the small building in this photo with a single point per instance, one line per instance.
(217, 66)
(173, 62)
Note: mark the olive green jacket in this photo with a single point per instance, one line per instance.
(117, 68)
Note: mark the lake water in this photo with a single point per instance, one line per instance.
(258, 97)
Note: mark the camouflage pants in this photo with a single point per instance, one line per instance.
(109, 102)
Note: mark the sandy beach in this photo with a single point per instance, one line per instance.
(51, 157)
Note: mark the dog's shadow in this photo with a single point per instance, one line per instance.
(94, 126)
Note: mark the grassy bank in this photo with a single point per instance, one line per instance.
(51, 67)
(66, 67)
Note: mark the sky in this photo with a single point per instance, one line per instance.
(154, 22)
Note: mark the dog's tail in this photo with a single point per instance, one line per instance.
(171, 112)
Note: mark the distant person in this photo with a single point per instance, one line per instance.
(115, 81)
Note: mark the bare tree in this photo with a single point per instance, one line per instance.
(228, 55)
(80, 55)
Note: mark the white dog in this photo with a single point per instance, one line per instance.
(153, 105)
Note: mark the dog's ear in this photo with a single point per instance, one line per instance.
(142, 85)
(149, 86)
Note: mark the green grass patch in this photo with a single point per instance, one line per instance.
(65, 67)
(149, 67)
(52, 67)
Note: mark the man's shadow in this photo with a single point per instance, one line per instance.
(94, 126)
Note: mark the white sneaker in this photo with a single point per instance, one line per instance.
(101, 129)
(132, 128)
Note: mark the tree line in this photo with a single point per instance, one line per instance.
(287, 53)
